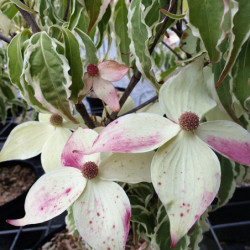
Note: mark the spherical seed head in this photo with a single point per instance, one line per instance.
(90, 170)
(92, 69)
(56, 120)
(189, 121)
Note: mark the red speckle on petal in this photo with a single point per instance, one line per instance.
(181, 214)
(68, 190)
(98, 214)
(188, 205)
(116, 122)
(188, 210)
(159, 183)
(117, 196)
(104, 242)
(183, 204)
(41, 208)
(90, 222)
(196, 217)
(113, 226)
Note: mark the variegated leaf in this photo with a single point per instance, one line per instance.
(90, 49)
(72, 53)
(240, 33)
(120, 20)
(139, 33)
(206, 18)
(46, 72)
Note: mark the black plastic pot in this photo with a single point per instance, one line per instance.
(231, 223)
(15, 207)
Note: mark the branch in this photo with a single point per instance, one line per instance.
(134, 80)
(137, 76)
(29, 19)
(153, 99)
(174, 52)
(162, 27)
(4, 38)
(66, 11)
(80, 107)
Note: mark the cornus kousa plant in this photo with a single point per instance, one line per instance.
(97, 201)
(150, 170)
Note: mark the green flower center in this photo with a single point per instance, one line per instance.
(56, 120)
(92, 69)
(90, 170)
(189, 121)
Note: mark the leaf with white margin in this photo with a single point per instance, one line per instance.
(206, 18)
(130, 168)
(228, 139)
(120, 29)
(15, 58)
(26, 141)
(186, 91)
(80, 141)
(135, 133)
(46, 71)
(90, 48)
(139, 34)
(102, 214)
(52, 149)
(240, 34)
(72, 53)
(52, 194)
(186, 176)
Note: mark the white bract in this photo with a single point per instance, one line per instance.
(185, 172)
(31, 138)
(101, 208)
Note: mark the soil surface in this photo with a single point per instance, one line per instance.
(14, 180)
(64, 241)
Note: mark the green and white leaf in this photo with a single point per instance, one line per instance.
(228, 183)
(22, 6)
(139, 33)
(240, 79)
(46, 72)
(206, 18)
(240, 34)
(122, 41)
(76, 14)
(15, 57)
(90, 49)
(72, 53)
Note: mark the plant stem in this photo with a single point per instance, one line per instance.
(137, 76)
(4, 38)
(134, 80)
(153, 99)
(174, 52)
(30, 19)
(80, 107)
(66, 11)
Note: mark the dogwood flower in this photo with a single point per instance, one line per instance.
(47, 136)
(99, 78)
(101, 208)
(185, 172)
